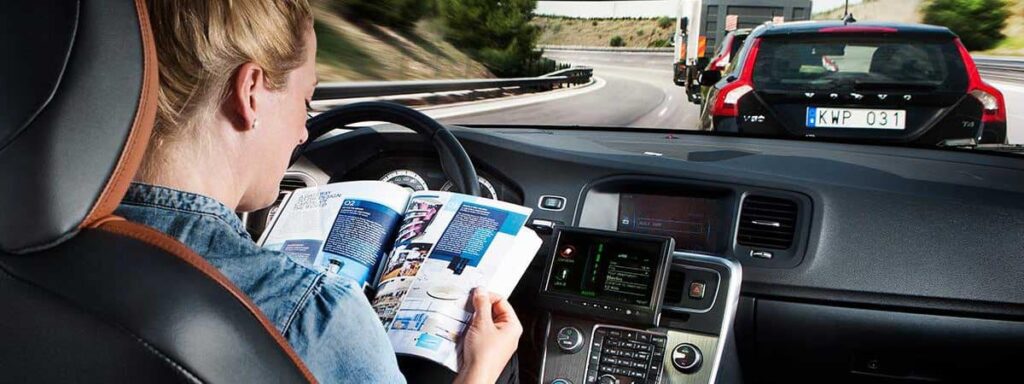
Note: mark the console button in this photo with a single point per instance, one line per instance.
(552, 203)
(607, 379)
(569, 339)
(560, 381)
(697, 290)
(686, 358)
(659, 340)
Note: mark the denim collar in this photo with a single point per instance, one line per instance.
(181, 201)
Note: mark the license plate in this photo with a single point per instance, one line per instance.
(856, 118)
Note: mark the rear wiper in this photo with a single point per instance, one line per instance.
(861, 85)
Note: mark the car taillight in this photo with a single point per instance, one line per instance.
(727, 101)
(991, 99)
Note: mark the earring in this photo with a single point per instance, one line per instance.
(255, 123)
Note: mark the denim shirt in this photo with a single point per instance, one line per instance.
(325, 317)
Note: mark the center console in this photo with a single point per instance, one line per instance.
(627, 308)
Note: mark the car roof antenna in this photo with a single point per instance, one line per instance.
(847, 16)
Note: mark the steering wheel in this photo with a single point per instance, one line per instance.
(455, 162)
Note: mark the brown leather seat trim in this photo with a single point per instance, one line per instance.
(142, 128)
(170, 245)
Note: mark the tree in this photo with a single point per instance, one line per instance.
(496, 32)
(617, 41)
(979, 23)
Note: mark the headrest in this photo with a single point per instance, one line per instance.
(78, 95)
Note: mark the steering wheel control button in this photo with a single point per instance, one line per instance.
(697, 290)
(569, 339)
(686, 358)
(551, 203)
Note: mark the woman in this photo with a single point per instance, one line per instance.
(235, 80)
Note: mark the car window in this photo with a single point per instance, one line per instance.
(840, 63)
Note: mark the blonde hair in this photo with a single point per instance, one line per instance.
(200, 46)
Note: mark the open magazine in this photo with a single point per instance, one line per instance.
(419, 254)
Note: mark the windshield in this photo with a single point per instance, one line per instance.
(639, 65)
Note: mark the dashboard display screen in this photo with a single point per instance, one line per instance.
(691, 221)
(606, 268)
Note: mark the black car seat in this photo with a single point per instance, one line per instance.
(89, 297)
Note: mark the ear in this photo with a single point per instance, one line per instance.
(249, 84)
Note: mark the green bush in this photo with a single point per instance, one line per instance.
(639, 32)
(593, 23)
(664, 22)
(498, 33)
(617, 41)
(660, 43)
(979, 23)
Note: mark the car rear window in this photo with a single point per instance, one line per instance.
(862, 63)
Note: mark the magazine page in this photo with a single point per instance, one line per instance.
(345, 228)
(447, 245)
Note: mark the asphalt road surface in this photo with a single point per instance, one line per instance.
(639, 92)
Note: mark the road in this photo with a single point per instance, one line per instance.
(638, 92)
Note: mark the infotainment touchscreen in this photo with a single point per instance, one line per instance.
(609, 274)
(692, 221)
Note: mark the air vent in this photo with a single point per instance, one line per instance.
(767, 222)
(291, 183)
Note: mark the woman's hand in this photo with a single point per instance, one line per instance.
(490, 341)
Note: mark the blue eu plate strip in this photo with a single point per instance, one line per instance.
(812, 119)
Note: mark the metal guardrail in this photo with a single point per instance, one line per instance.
(605, 49)
(1001, 68)
(359, 89)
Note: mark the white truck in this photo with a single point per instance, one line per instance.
(702, 24)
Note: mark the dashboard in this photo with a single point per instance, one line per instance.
(421, 171)
(859, 263)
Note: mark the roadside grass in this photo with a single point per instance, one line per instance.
(356, 50)
(634, 32)
(1013, 44)
(333, 48)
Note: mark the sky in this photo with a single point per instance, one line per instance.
(651, 8)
